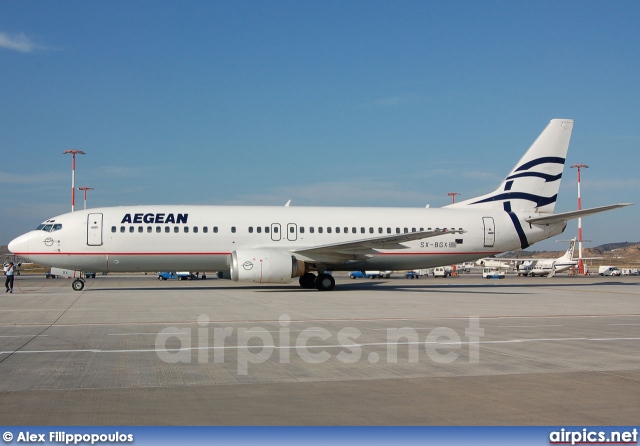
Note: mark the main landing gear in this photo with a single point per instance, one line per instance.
(322, 282)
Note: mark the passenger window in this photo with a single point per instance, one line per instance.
(275, 229)
(406, 230)
(250, 229)
(215, 229)
(413, 229)
(292, 229)
(362, 231)
(158, 229)
(266, 229)
(354, 230)
(113, 229)
(370, 230)
(346, 230)
(167, 229)
(388, 230)
(259, 229)
(233, 229)
(205, 229)
(176, 229)
(301, 229)
(397, 230)
(337, 230)
(122, 229)
(131, 229)
(320, 230)
(380, 230)
(186, 229)
(140, 229)
(149, 229)
(328, 229)
(311, 230)
(195, 229)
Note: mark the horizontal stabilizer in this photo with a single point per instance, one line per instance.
(566, 216)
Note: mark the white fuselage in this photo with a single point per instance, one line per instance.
(202, 238)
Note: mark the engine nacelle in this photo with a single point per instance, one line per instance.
(264, 266)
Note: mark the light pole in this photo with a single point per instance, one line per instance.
(73, 174)
(85, 189)
(453, 196)
(580, 263)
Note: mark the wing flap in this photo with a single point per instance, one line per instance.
(365, 248)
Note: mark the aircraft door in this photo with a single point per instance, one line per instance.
(489, 231)
(94, 229)
(275, 232)
(292, 232)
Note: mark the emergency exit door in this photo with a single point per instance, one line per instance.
(489, 232)
(94, 229)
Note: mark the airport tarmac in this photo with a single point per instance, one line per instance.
(132, 350)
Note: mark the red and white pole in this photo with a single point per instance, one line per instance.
(580, 262)
(73, 175)
(85, 189)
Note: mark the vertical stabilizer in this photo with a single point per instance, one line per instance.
(533, 184)
(568, 256)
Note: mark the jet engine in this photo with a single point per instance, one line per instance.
(264, 266)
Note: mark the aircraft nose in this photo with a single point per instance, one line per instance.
(19, 245)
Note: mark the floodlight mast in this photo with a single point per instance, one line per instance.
(453, 196)
(73, 174)
(85, 189)
(580, 262)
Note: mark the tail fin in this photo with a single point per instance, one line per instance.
(534, 182)
(568, 256)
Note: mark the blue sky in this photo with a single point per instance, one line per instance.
(350, 103)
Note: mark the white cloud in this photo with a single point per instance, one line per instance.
(17, 42)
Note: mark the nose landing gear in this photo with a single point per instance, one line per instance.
(78, 284)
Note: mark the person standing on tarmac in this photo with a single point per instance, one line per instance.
(8, 283)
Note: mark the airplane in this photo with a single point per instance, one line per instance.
(546, 267)
(275, 244)
(494, 263)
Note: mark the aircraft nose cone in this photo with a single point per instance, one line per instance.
(19, 245)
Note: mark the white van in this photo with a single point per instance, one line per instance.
(442, 271)
(608, 270)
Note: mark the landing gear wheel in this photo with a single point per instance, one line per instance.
(325, 282)
(307, 281)
(78, 285)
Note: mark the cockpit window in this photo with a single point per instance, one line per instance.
(49, 227)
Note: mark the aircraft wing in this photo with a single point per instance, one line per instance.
(362, 249)
(566, 216)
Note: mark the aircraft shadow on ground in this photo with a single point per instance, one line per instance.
(374, 285)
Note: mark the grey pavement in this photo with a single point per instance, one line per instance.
(132, 350)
